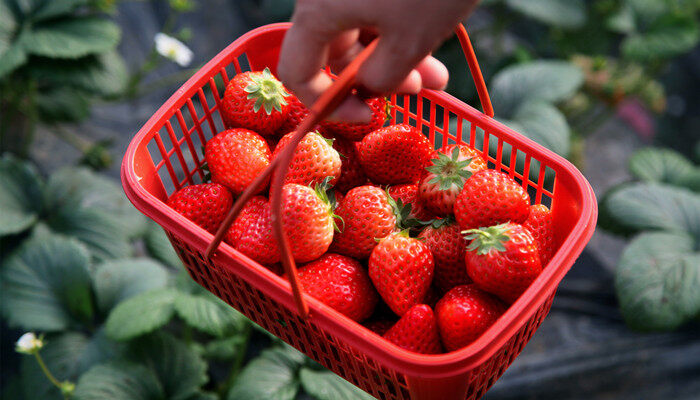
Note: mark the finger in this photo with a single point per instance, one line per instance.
(412, 84)
(433, 73)
(390, 64)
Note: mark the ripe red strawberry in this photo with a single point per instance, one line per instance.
(366, 216)
(409, 195)
(314, 159)
(297, 113)
(255, 100)
(235, 157)
(464, 313)
(251, 232)
(351, 172)
(491, 197)
(308, 221)
(503, 259)
(432, 296)
(356, 131)
(394, 154)
(416, 331)
(541, 225)
(445, 175)
(379, 326)
(401, 269)
(341, 283)
(206, 204)
(444, 239)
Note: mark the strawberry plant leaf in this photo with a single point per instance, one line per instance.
(273, 375)
(209, 314)
(46, 285)
(180, 370)
(20, 197)
(543, 123)
(657, 281)
(12, 57)
(560, 13)
(118, 280)
(224, 349)
(45, 9)
(325, 385)
(159, 247)
(667, 37)
(72, 37)
(118, 381)
(63, 104)
(661, 165)
(141, 314)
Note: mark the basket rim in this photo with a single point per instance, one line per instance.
(351, 332)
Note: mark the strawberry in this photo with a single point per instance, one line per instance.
(464, 313)
(308, 221)
(341, 283)
(395, 154)
(366, 216)
(251, 232)
(408, 194)
(445, 241)
(379, 326)
(255, 100)
(540, 224)
(205, 204)
(445, 175)
(235, 157)
(491, 197)
(356, 131)
(402, 270)
(351, 172)
(314, 159)
(432, 296)
(502, 259)
(416, 331)
(297, 113)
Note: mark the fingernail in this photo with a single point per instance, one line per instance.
(352, 110)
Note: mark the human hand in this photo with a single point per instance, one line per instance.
(327, 32)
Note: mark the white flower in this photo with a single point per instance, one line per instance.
(169, 47)
(29, 343)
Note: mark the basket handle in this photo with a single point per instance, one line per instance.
(322, 108)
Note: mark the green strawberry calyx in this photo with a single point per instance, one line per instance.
(489, 238)
(267, 91)
(449, 170)
(402, 213)
(324, 192)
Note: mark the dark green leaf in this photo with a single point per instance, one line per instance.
(209, 314)
(141, 314)
(224, 349)
(325, 385)
(180, 370)
(159, 246)
(273, 375)
(63, 104)
(561, 13)
(537, 80)
(46, 285)
(668, 37)
(661, 165)
(12, 389)
(657, 281)
(642, 206)
(622, 21)
(20, 197)
(72, 37)
(46, 9)
(544, 124)
(11, 58)
(118, 280)
(203, 396)
(119, 381)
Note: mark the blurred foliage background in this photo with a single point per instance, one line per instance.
(120, 315)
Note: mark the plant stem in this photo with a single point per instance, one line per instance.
(48, 373)
(72, 138)
(237, 362)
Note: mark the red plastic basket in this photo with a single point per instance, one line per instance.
(165, 156)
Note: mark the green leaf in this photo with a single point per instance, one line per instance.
(660, 165)
(668, 37)
(20, 197)
(560, 13)
(641, 206)
(622, 21)
(119, 381)
(209, 314)
(62, 104)
(72, 37)
(141, 314)
(46, 9)
(224, 349)
(273, 375)
(657, 281)
(104, 74)
(545, 80)
(180, 370)
(544, 124)
(12, 389)
(118, 280)
(12, 58)
(203, 396)
(46, 285)
(325, 385)
(159, 247)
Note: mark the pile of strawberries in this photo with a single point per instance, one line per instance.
(425, 247)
